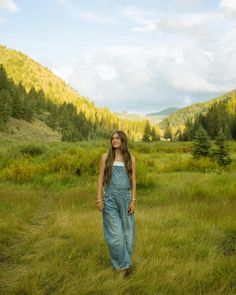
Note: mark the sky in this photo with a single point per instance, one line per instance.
(129, 55)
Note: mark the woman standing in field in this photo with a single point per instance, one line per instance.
(117, 176)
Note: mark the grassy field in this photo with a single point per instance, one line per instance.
(51, 238)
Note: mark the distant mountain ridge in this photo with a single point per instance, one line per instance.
(154, 118)
(180, 117)
(164, 112)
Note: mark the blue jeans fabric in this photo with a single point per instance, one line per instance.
(118, 225)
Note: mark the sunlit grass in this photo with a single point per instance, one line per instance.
(52, 240)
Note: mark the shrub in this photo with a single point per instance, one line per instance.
(20, 171)
(32, 149)
(143, 178)
(201, 144)
(77, 161)
(227, 243)
(143, 148)
(203, 164)
(61, 163)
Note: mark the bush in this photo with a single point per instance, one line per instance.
(32, 149)
(203, 164)
(20, 171)
(143, 178)
(77, 161)
(143, 148)
(61, 163)
(227, 243)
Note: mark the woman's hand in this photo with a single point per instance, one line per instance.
(131, 208)
(100, 205)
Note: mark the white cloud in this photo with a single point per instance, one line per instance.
(95, 17)
(106, 72)
(64, 72)
(177, 24)
(184, 58)
(157, 76)
(229, 6)
(8, 6)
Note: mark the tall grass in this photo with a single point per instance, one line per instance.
(52, 241)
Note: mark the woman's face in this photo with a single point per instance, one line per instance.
(116, 142)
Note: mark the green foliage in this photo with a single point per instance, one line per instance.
(202, 148)
(19, 171)
(167, 131)
(33, 149)
(185, 221)
(143, 148)
(143, 177)
(203, 164)
(201, 144)
(22, 105)
(221, 152)
(147, 132)
(227, 241)
(221, 115)
(77, 161)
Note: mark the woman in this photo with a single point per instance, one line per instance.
(117, 175)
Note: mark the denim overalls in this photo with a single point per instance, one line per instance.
(118, 225)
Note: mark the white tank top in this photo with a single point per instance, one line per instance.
(116, 163)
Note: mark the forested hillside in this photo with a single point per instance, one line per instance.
(180, 117)
(214, 115)
(51, 97)
(221, 116)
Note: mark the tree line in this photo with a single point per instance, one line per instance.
(221, 116)
(64, 117)
(16, 102)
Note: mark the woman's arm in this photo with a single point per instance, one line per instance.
(133, 189)
(101, 177)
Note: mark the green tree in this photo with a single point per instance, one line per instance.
(5, 105)
(222, 151)
(147, 136)
(201, 144)
(154, 135)
(216, 119)
(167, 131)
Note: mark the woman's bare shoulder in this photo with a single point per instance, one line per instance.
(104, 156)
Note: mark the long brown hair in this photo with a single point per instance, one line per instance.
(111, 157)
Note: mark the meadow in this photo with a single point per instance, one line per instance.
(51, 237)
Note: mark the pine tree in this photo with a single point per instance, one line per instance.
(5, 105)
(221, 152)
(167, 131)
(147, 132)
(217, 119)
(201, 144)
(154, 135)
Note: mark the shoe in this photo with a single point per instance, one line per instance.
(127, 272)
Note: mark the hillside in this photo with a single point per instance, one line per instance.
(179, 117)
(164, 112)
(21, 68)
(154, 118)
(22, 131)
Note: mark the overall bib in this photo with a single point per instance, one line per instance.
(118, 225)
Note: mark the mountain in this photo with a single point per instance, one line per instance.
(164, 112)
(154, 118)
(157, 117)
(179, 117)
(22, 69)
